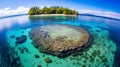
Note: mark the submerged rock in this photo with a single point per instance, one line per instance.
(60, 40)
(21, 39)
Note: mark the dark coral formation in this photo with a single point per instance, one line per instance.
(23, 49)
(47, 60)
(14, 58)
(21, 39)
(60, 46)
(39, 66)
(36, 56)
(13, 36)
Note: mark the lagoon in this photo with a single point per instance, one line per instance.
(103, 52)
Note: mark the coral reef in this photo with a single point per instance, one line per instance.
(60, 40)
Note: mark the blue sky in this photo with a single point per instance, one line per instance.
(107, 5)
(109, 8)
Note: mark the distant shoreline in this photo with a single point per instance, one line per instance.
(7, 16)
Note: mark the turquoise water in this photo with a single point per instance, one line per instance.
(103, 52)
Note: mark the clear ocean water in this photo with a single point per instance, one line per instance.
(103, 52)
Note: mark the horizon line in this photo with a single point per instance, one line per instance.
(84, 14)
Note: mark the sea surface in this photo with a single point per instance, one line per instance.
(104, 51)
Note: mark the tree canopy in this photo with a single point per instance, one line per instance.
(51, 10)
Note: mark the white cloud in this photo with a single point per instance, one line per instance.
(101, 13)
(9, 22)
(8, 11)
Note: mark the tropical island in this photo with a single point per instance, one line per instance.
(51, 10)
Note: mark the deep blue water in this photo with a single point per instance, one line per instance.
(104, 30)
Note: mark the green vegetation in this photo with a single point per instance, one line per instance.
(51, 10)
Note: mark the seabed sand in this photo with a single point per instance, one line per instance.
(100, 54)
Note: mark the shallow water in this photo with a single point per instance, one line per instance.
(103, 52)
